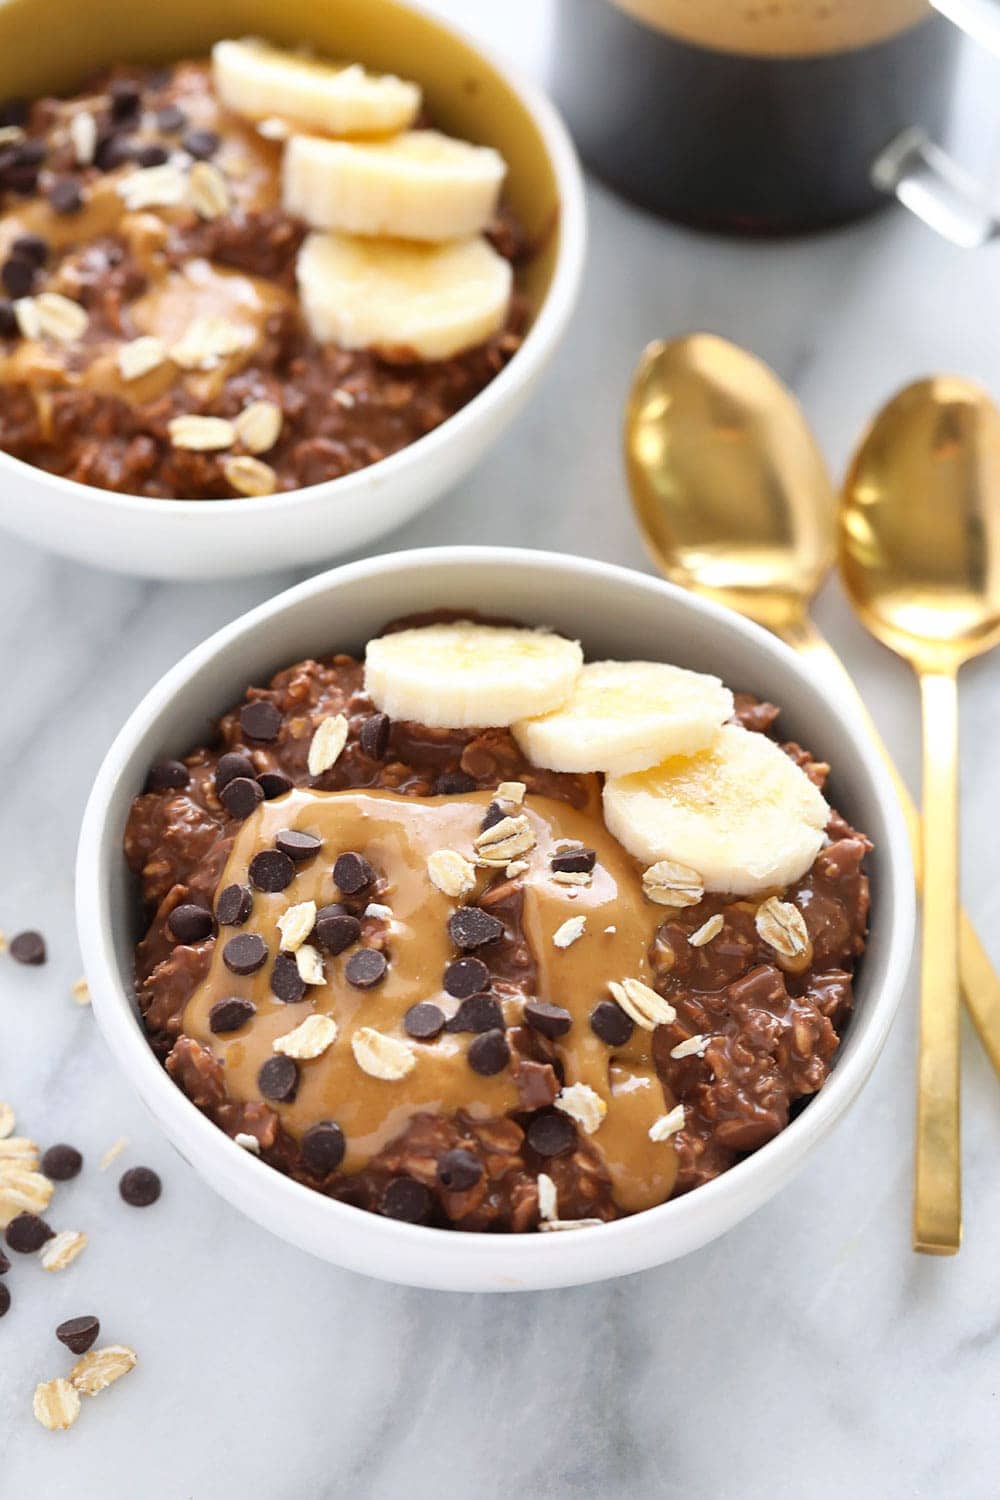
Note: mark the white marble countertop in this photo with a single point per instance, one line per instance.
(807, 1354)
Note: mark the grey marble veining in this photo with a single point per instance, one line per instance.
(807, 1355)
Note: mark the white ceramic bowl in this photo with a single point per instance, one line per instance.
(53, 43)
(615, 613)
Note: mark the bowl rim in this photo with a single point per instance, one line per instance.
(540, 339)
(467, 1260)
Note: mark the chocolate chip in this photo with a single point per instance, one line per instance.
(287, 984)
(78, 1334)
(471, 927)
(234, 905)
(550, 1020)
(140, 1186)
(65, 196)
(112, 151)
(27, 1233)
(32, 153)
(245, 954)
(33, 248)
(231, 1014)
(424, 1021)
(298, 846)
(373, 736)
(407, 1200)
(278, 1079)
(582, 861)
(125, 99)
(9, 326)
(459, 1170)
(478, 1013)
(15, 112)
(241, 796)
(270, 870)
(28, 948)
(352, 873)
(18, 276)
(609, 1022)
(167, 775)
(274, 784)
(4, 1298)
(261, 720)
(453, 783)
(61, 1162)
(151, 155)
(336, 929)
(190, 923)
(465, 977)
(494, 814)
(489, 1053)
(323, 1147)
(4, 1263)
(170, 119)
(365, 968)
(231, 765)
(201, 143)
(551, 1134)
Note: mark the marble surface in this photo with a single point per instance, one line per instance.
(808, 1354)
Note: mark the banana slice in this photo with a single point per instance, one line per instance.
(425, 301)
(740, 812)
(462, 675)
(420, 185)
(261, 82)
(625, 716)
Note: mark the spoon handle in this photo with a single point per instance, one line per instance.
(980, 982)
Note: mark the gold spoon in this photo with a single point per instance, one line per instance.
(734, 501)
(920, 558)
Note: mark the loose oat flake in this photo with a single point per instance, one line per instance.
(646, 1008)
(113, 1152)
(209, 191)
(248, 1142)
(569, 932)
(380, 913)
(707, 931)
(81, 992)
(381, 1056)
(296, 924)
(99, 1368)
(308, 1040)
(6, 1119)
(547, 1199)
(29, 321)
(555, 1225)
(667, 1125)
(153, 187)
(83, 137)
(511, 791)
(201, 434)
(572, 877)
(20, 1151)
(258, 426)
(56, 1404)
(206, 341)
(451, 872)
(782, 926)
(583, 1105)
(327, 743)
(22, 1192)
(57, 1253)
(671, 884)
(694, 1046)
(309, 962)
(248, 476)
(505, 840)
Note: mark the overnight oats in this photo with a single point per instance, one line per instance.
(471, 934)
(243, 275)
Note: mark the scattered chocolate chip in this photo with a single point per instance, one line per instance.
(15, 112)
(151, 155)
(4, 1263)
(489, 1053)
(61, 1162)
(4, 1298)
(261, 720)
(465, 977)
(550, 1020)
(270, 870)
(336, 929)
(241, 796)
(201, 143)
(459, 1170)
(453, 783)
(424, 1021)
(580, 861)
(168, 775)
(551, 1134)
(28, 948)
(33, 248)
(471, 927)
(287, 984)
(231, 765)
(18, 276)
(323, 1147)
(478, 1013)
(234, 905)
(245, 953)
(140, 1186)
(298, 846)
(112, 151)
(407, 1200)
(32, 153)
(231, 1014)
(190, 923)
(494, 814)
(609, 1022)
(365, 968)
(278, 1079)
(373, 736)
(352, 873)
(9, 326)
(274, 784)
(78, 1334)
(125, 99)
(65, 196)
(27, 1233)
(170, 119)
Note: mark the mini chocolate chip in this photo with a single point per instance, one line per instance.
(65, 196)
(270, 870)
(78, 1334)
(241, 796)
(9, 326)
(4, 1298)
(231, 1014)
(478, 1013)
(190, 923)
(278, 1079)
(582, 861)
(336, 929)
(459, 1170)
(18, 276)
(261, 720)
(494, 814)
(234, 905)
(489, 1053)
(274, 784)
(33, 248)
(231, 765)
(471, 927)
(27, 1233)
(15, 112)
(287, 984)
(407, 1200)
(551, 1133)
(31, 153)
(140, 1186)
(550, 1020)
(61, 1162)
(373, 736)
(323, 1147)
(424, 1021)
(453, 783)
(245, 953)
(201, 143)
(465, 977)
(167, 775)
(112, 151)
(170, 119)
(352, 873)
(151, 155)
(125, 99)
(298, 846)
(28, 948)
(4, 1263)
(609, 1022)
(365, 968)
